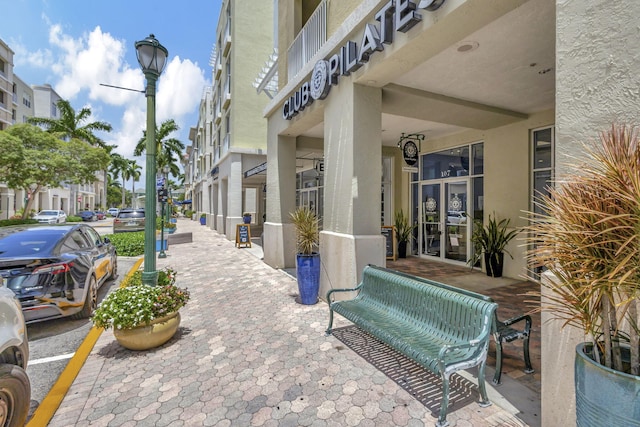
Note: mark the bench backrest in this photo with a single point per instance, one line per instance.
(454, 314)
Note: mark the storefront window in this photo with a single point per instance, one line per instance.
(446, 164)
(477, 151)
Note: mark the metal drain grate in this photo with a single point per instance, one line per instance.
(421, 383)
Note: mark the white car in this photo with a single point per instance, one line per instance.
(51, 217)
(113, 211)
(14, 355)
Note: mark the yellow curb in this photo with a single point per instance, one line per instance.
(51, 402)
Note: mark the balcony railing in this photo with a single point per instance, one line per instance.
(308, 42)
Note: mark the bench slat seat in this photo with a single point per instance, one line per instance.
(442, 330)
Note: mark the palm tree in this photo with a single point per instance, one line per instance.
(118, 167)
(70, 125)
(134, 173)
(168, 150)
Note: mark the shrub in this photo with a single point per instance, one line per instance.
(74, 219)
(8, 222)
(128, 244)
(135, 304)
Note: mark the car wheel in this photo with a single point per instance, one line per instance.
(15, 396)
(114, 270)
(90, 301)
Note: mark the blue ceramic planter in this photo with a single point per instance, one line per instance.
(604, 397)
(308, 274)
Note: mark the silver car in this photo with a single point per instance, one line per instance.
(129, 220)
(51, 217)
(14, 356)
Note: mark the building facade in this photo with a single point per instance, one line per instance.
(450, 110)
(225, 165)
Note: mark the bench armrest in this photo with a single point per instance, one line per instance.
(517, 319)
(357, 288)
(476, 342)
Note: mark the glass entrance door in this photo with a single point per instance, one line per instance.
(456, 224)
(444, 231)
(430, 229)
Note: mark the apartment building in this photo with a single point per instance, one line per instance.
(225, 165)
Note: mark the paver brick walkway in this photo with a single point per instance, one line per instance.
(246, 354)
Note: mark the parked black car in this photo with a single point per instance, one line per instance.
(56, 271)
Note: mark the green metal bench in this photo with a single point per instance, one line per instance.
(442, 330)
(502, 330)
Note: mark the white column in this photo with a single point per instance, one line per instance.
(279, 234)
(234, 195)
(351, 236)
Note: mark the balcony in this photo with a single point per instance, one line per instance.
(226, 40)
(227, 142)
(308, 41)
(226, 96)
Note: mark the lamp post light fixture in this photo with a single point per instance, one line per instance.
(152, 57)
(163, 198)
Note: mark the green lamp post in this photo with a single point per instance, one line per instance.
(152, 57)
(162, 254)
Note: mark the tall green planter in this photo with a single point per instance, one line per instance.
(604, 397)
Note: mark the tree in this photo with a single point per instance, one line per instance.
(114, 190)
(31, 157)
(168, 150)
(118, 167)
(133, 173)
(69, 125)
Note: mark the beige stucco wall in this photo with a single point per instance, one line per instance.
(252, 43)
(596, 85)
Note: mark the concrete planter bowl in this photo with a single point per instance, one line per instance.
(146, 337)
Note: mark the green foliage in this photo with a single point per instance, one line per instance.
(307, 232)
(29, 155)
(203, 215)
(404, 230)
(128, 244)
(135, 304)
(167, 224)
(8, 222)
(491, 239)
(188, 213)
(74, 219)
(588, 236)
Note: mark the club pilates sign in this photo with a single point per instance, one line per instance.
(400, 15)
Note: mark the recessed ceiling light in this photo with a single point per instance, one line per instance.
(467, 46)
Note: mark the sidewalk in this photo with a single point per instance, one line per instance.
(246, 355)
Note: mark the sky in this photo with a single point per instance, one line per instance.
(76, 45)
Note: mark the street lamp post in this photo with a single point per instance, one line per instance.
(152, 57)
(165, 171)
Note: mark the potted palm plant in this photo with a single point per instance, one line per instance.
(404, 232)
(491, 241)
(588, 239)
(305, 222)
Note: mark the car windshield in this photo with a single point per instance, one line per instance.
(48, 213)
(32, 242)
(136, 214)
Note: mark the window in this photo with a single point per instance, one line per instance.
(542, 145)
(2, 99)
(93, 236)
(54, 110)
(3, 67)
(26, 100)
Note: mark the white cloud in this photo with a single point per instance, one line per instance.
(81, 64)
